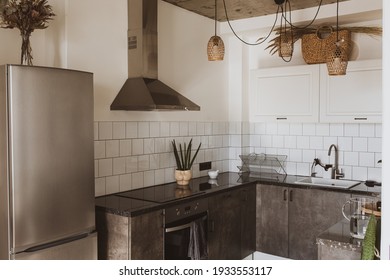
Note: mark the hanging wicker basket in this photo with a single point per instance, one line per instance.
(315, 46)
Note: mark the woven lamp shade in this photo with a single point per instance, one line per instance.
(286, 47)
(337, 60)
(215, 48)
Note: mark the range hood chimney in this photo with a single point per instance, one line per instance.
(142, 91)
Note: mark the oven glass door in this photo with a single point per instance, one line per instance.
(181, 234)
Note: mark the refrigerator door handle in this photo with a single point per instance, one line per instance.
(56, 243)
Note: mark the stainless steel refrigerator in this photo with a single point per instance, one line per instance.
(47, 208)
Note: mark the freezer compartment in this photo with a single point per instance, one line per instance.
(84, 248)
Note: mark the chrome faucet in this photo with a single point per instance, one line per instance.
(336, 174)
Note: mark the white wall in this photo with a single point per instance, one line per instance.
(385, 235)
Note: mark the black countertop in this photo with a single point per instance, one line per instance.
(139, 201)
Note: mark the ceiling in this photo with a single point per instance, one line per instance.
(240, 9)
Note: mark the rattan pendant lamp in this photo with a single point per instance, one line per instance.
(215, 46)
(337, 58)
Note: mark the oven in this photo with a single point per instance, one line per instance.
(185, 231)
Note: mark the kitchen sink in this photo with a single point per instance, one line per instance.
(329, 183)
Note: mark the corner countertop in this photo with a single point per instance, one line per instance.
(134, 202)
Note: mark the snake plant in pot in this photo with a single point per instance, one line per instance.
(184, 161)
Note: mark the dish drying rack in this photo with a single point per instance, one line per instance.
(263, 165)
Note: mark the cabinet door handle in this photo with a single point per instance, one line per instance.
(281, 118)
(291, 195)
(285, 195)
(212, 226)
(360, 119)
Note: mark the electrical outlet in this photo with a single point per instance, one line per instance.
(204, 165)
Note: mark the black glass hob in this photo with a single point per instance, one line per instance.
(163, 193)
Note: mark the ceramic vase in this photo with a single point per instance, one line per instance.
(183, 177)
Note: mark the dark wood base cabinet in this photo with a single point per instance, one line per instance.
(288, 220)
(125, 238)
(232, 231)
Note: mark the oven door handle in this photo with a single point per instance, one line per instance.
(181, 227)
(172, 229)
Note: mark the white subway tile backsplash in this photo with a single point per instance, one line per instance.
(308, 155)
(316, 142)
(105, 167)
(271, 128)
(351, 129)
(290, 142)
(296, 129)
(322, 130)
(169, 174)
(309, 129)
(374, 174)
(208, 128)
(137, 147)
(277, 141)
(112, 148)
(183, 128)
(259, 128)
(100, 149)
(336, 129)
(131, 130)
(367, 159)
(266, 141)
(159, 176)
(119, 130)
(174, 129)
(367, 130)
(378, 130)
(143, 163)
(303, 142)
(131, 164)
(359, 173)
(95, 131)
(154, 161)
(149, 179)
(283, 129)
(105, 130)
(192, 128)
(345, 143)
(112, 184)
(130, 155)
(100, 186)
(154, 129)
(143, 129)
(119, 165)
(149, 146)
(124, 148)
(351, 158)
(329, 140)
(165, 129)
(295, 156)
(303, 169)
(125, 182)
(200, 129)
(375, 145)
(360, 144)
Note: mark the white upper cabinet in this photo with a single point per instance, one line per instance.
(306, 93)
(355, 97)
(289, 94)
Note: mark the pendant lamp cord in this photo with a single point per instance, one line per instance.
(337, 22)
(215, 18)
(262, 40)
(247, 43)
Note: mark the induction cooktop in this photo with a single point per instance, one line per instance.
(162, 193)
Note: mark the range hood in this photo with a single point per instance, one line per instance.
(142, 91)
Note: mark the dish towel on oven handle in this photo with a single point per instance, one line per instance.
(197, 248)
